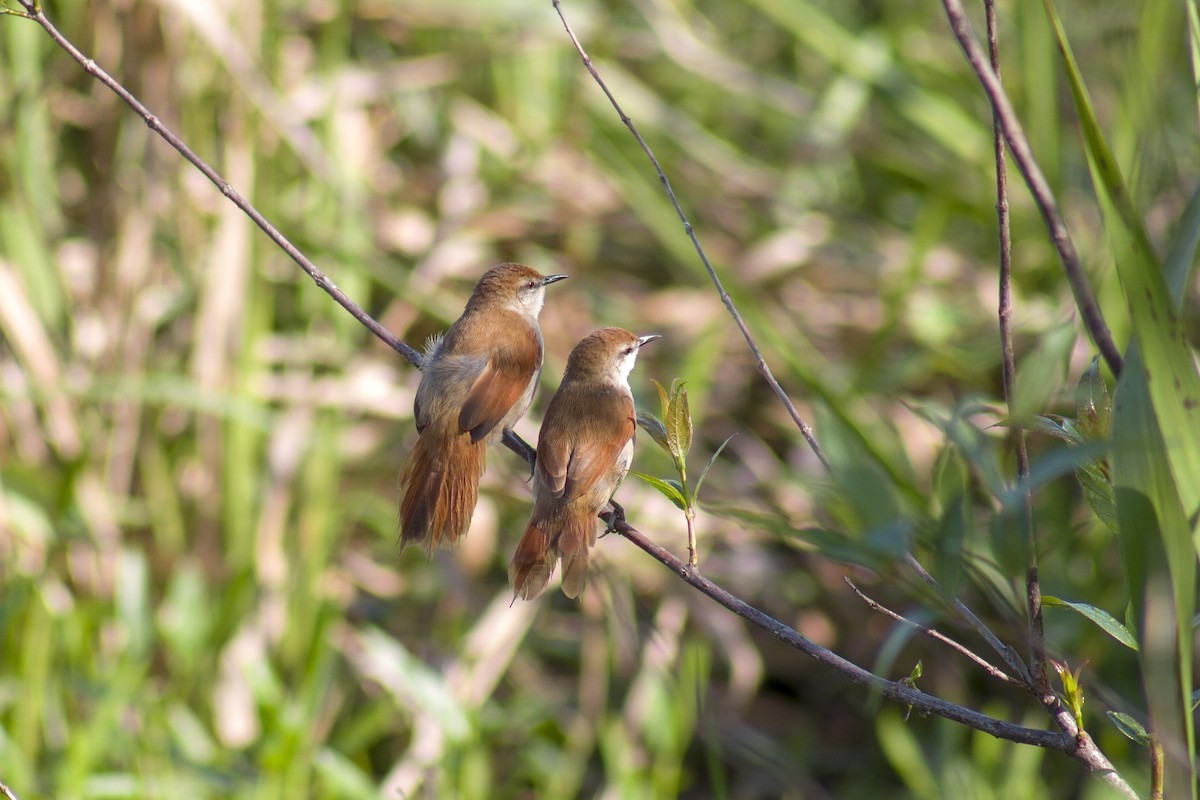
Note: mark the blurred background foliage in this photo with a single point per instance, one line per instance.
(200, 591)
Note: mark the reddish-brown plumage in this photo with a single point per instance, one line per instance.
(584, 450)
(476, 383)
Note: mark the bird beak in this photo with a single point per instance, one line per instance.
(549, 279)
(645, 340)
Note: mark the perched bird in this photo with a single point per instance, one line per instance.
(583, 453)
(476, 382)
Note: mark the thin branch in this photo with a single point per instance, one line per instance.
(968, 616)
(1006, 119)
(805, 431)
(1089, 311)
(1086, 752)
(1072, 741)
(937, 635)
(34, 11)
(893, 690)
(6, 792)
(1033, 589)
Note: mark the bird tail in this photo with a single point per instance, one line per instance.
(543, 543)
(439, 487)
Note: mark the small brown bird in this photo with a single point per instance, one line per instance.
(477, 381)
(583, 453)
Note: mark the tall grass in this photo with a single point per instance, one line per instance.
(200, 592)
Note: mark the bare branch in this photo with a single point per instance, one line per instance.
(805, 430)
(893, 690)
(1089, 311)
(933, 633)
(968, 616)
(34, 11)
(1071, 741)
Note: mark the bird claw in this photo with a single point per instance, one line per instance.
(612, 518)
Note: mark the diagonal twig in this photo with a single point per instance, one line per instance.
(1006, 119)
(33, 11)
(1074, 743)
(968, 616)
(893, 690)
(1043, 196)
(763, 368)
(1071, 741)
(937, 635)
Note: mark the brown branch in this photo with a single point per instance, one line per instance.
(1043, 196)
(1033, 589)
(33, 11)
(763, 368)
(937, 635)
(1005, 118)
(893, 690)
(1004, 651)
(1076, 744)
(1072, 741)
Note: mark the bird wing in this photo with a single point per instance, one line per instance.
(501, 382)
(575, 454)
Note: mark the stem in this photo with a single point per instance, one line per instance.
(34, 11)
(1085, 301)
(763, 368)
(1072, 741)
(1033, 591)
(693, 557)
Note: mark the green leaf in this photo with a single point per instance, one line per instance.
(1159, 560)
(1058, 427)
(664, 400)
(1041, 373)
(1095, 478)
(1093, 473)
(1072, 690)
(678, 421)
(831, 544)
(1130, 727)
(704, 472)
(669, 489)
(1194, 46)
(1156, 431)
(1107, 622)
(1178, 264)
(653, 426)
(1093, 403)
(684, 417)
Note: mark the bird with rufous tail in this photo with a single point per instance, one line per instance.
(583, 453)
(477, 380)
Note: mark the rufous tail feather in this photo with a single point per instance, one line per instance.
(439, 487)
(533, 562)
(539, 550)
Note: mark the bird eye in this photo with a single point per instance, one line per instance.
(627, 351)
(531, 285)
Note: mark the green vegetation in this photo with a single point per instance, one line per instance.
(200, 593)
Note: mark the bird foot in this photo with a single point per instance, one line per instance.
(612, 518)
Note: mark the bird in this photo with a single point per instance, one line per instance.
(583, 453)
(477, 380)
